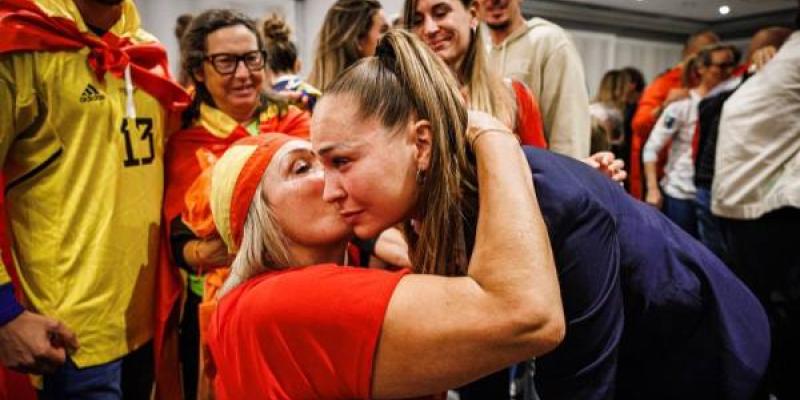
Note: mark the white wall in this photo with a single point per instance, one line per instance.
(602, 52)
(305, 17)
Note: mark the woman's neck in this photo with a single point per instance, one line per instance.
(242, 117)
(315, 255)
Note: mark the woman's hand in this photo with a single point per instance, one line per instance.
(391, 248)
(607, 164)
(205, 254)
(481, 123)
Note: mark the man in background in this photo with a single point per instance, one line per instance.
(541, 54)
(85, 97)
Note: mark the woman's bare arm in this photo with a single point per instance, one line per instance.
(441, 332)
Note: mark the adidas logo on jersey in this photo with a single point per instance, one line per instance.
(91, 94)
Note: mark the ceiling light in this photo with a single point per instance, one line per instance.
(724, 10)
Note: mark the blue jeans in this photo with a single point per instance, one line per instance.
(100, 382)
(681, 212)
(708, 225)
(131, 376)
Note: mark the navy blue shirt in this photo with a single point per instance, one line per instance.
(651, 313)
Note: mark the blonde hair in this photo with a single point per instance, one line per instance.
(345, 23)
(406, 80)
(483, 85)
(263, 246)
(613, 88)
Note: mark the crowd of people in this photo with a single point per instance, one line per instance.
(425, 215)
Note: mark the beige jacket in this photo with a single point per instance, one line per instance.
(542, 55)
(757, 167)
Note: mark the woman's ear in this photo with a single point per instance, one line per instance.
(423, 140)
(473, 12)
(198, 75)
(298, 65)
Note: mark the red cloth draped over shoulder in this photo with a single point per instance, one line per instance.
(644, 121)
(300, 333)
(26, 27)
(530, 127)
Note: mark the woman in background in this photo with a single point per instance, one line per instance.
(451, 29)
(675, 193)
(284, 64)
(225, 59)
(606, 112)
(350, 31)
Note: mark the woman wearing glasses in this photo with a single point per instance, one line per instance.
(675, 193)
(224, 57)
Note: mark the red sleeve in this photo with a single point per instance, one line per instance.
(304, 333)
(643, 122)
(530, 127)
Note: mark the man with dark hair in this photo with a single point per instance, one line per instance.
(541, 54)
(85, 96)
(756, 194)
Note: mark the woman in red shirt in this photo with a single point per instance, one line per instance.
(292, 324)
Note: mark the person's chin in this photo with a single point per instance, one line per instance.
(365, 230)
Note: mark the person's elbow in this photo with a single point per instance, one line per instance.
(540, 326)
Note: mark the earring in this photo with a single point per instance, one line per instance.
(420, 177)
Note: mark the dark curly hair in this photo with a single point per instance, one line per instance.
(193, 53)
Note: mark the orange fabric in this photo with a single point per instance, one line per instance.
(250, 177)
(643, 122)
(181, 170)
(26, 27)
(300, 333)
(530, 127)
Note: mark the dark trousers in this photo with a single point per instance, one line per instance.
(494, 386)
(708, 226)
(681, 212)
(765, 254)
(189, 346)
(130, 377)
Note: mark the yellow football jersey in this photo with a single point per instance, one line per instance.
(84, 185)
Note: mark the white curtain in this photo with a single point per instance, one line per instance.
(601, 52)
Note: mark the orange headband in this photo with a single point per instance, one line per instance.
(235, 180)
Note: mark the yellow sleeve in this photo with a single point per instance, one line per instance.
(18, 108)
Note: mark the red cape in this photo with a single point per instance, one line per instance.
(27, 28)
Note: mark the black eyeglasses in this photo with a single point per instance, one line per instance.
(226, 63)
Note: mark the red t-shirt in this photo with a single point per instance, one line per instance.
(302, 333)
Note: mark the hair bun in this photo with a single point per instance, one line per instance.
(276, 29)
